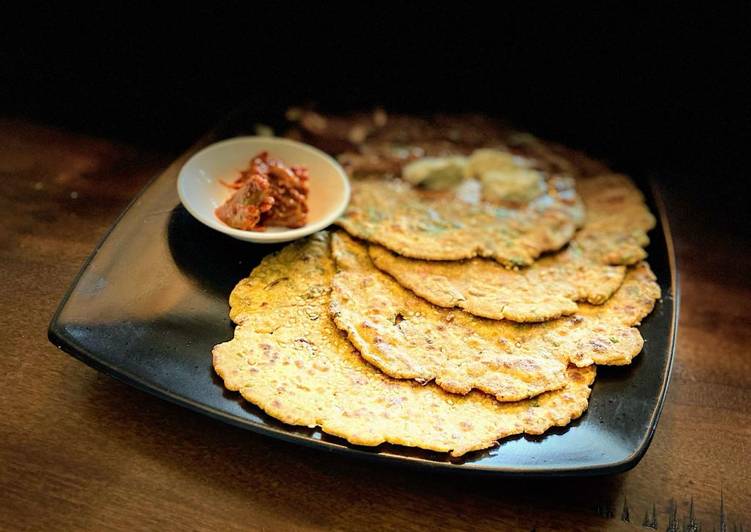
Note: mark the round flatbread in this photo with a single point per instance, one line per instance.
(455, 224)
(590, 269)
(290, 359)
(408, 338)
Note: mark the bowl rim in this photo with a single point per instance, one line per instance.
(284, 235)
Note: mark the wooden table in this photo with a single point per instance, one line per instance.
(80, 450)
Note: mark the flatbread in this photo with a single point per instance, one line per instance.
(408, 338)
(632, 302)
(617, 221)
(456, 224)
(546, 290)
(590, 269)
(289, 358)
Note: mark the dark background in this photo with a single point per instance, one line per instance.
(662, 90)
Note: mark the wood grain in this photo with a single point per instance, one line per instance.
(79, 450)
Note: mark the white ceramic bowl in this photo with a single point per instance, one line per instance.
(201, 191)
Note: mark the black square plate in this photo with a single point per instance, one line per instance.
(151, 302)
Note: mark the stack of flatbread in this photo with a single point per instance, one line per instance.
(477, 278)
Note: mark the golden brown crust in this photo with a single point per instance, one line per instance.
(590, 269)
(407, 337)
(289, 358)
(633, 301)
(442, 226)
